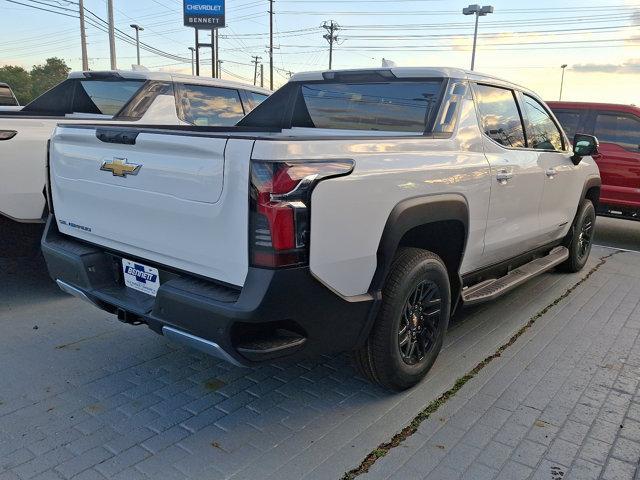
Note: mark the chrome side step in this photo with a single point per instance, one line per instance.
(198, 343)
(491, 289)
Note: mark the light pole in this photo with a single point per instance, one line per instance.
(193, 66)
(563, 66)
(478, 11)
(138, 29)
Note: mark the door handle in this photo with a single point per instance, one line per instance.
(503, 176)
(551, 172)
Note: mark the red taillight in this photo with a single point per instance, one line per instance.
(280, 202)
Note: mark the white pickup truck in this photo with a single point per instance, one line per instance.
(352, 210)
(122, 96)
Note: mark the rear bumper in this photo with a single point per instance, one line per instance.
(277, 313)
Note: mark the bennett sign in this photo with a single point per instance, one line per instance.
(204, 14)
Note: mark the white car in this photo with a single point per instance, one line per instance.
(352, 210)
(140, 97)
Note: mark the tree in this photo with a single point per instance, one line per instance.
(48, 75)
(19, 81)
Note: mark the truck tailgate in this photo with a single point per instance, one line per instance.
(176, 199)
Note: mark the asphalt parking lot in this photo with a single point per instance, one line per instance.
(86, 397)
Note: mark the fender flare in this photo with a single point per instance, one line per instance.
(411, 213)
(590, 182)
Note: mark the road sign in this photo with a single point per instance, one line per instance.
(204, 14)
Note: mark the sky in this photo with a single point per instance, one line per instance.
(525, 42)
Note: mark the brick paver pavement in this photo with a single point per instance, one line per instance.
(85, 397)
(561, 403)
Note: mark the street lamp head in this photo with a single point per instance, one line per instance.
(137, 27)
(471, 9)
(564, 65)
(485, 10)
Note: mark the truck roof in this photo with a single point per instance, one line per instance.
(596, 106)
(169, 77)
(413, 72)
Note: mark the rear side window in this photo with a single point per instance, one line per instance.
(102, 97)
(500, 116)
(392, 106)
(6, 96)
(256, 98)
(570, 120)
(210, 106)
(140, 103)
(542, 132)
(623, 130)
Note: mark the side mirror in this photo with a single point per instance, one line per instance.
(584, 146)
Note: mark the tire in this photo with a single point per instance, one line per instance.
(388, 358)
(580, 240)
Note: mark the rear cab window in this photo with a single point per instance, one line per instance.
(203, 105)
(397, 106)
(371, 102)
(89, 96)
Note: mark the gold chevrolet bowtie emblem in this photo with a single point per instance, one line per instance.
(120, 168)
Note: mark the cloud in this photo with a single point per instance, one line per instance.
(629, 66)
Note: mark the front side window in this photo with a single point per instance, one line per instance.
(210, 106)
(570, 120)
(621, 129)
(543, 134)
(389, 106)
(500, 116)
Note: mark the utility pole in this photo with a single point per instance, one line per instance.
(197, 53)
(262, 75)
(112, 35)
(271, 44)
(478, 11)
(138, 29)
(83, 37)
(331, 27)
(255, 62)
(214, 60)
(563, 66)
(220, 62)
(193, 67)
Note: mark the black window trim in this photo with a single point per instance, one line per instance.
(618, 113)
(546, 108)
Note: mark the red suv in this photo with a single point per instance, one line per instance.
(618, 130)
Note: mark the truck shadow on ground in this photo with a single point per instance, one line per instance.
(86, 380)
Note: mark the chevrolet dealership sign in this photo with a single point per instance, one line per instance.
(204, 14)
